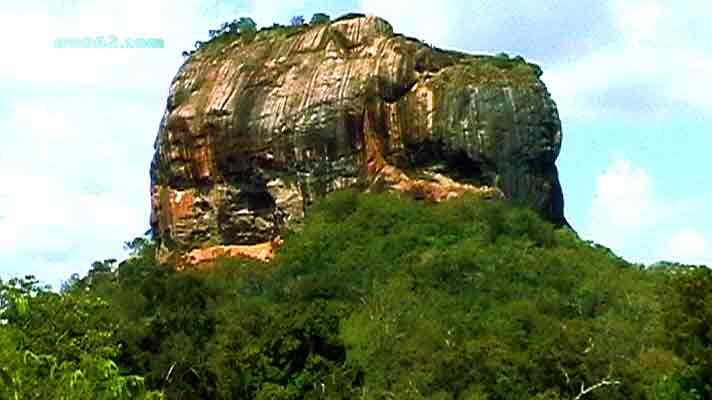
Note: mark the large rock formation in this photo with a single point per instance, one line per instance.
(256, 128)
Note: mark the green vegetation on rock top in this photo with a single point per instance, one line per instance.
(485, 69)
(482, 68)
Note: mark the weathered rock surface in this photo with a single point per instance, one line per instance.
(260, 251)
(255, 130)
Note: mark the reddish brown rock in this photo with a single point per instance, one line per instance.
(257, 128)
(205, 256)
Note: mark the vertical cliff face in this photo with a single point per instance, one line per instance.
(255, 130)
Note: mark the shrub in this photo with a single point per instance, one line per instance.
(180, 97)
(297, 20)
(247, 28)
(319, 18)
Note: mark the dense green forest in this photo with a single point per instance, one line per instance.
(374, 297)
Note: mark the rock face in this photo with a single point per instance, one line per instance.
(256, 128)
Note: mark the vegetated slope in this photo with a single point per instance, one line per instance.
(377, 297)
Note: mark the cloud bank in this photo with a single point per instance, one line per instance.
(631, 216)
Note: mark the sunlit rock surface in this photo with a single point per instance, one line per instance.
(255, 130)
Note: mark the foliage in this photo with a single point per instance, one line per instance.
(297, 20)
(348, 16)
(56, 346)
(504, 61)
(180, 96)
(688, 320)
(376, 297)
(246, 27)
(319, 18)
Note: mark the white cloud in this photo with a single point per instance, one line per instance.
(687, 246)
(544, 31)
(78, 135)
(693, 66)
(267, 12)
(631, 217)
(34, 29)
(427, 20)
(624, 198)
(624, 206)
(638, 57)
(75, 182)
(653, 67)
(633, 80)
(638, 20)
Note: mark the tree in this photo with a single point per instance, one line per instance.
(297, 20)
(319, 18)
(461, 300)
(70, 283)
(98, 267)
(61, 346)
(247, 27)
(688, 320)
(232, 26)
(246, 24)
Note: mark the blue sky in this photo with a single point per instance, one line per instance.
(630, 78)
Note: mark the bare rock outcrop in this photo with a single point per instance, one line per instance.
(256, 128)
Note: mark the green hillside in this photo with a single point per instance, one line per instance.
(375, 297)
